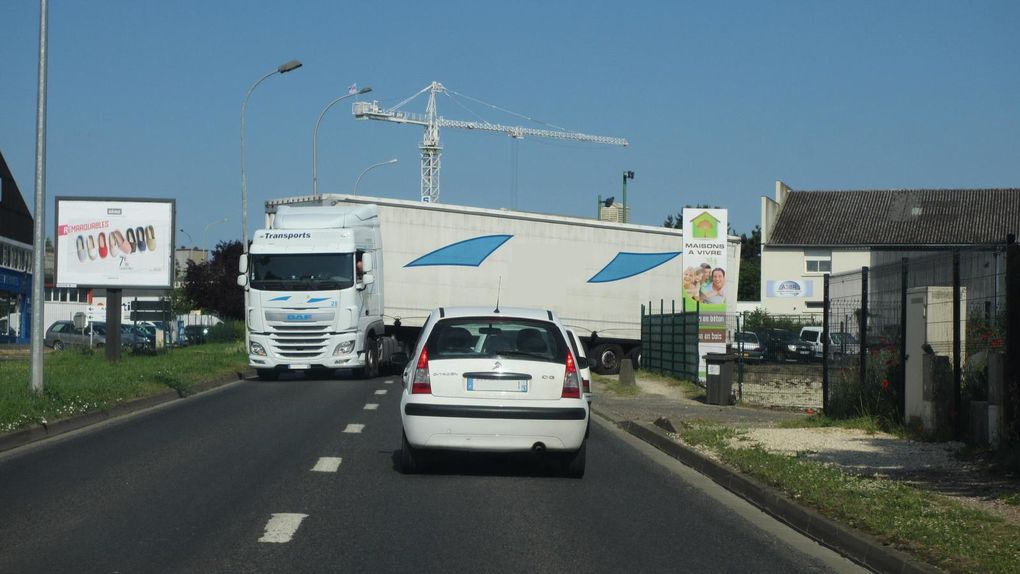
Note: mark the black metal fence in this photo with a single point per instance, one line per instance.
(951, 306)
(669, 341)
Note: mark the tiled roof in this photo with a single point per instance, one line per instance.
(900, 217)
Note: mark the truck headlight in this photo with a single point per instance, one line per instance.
(256, 349)
(344, 348)
(792, 347)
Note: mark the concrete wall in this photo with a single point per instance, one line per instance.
(789, 386)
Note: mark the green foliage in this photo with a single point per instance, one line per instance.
(212, 285)
(877, 397)
(226, 332)
(760, 319)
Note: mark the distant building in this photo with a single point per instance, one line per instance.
(16, 227)
(182, 255)
(806, 235)
(614, 213)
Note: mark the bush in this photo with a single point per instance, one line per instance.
(878, 396)
(226, 332)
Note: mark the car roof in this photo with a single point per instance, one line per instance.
(504, 312)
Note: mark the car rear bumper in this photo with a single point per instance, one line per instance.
(494, 428)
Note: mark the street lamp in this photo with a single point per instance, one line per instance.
(190, 238)
(282, 69)
(315, 136)
(370, 168)
(205, 242)
(626, 175)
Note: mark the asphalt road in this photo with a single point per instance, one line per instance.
(224, 482)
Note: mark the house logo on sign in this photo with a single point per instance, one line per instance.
(705, 226)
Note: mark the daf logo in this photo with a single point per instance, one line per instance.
(299, 317)
(498, 365)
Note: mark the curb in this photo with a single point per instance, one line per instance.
(40, 432)
(857, 546)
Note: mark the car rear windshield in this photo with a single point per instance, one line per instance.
(491, 337)
(746, 338)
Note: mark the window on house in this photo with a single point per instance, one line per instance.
(818, 261)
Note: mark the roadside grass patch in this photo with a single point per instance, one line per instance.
(614, 386)
(932, 527)
(76, 383)
(690, 389)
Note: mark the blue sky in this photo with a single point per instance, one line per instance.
(718, 100)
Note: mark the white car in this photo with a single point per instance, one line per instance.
(584, 368)
(493, 380)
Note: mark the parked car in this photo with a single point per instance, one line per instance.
(140, 337)
(577, 346)
(506, 381)
(781, 345)
(840, 344)
(746, 345)
(196, 334)
(62, 334)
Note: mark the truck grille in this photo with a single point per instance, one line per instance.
(299, 341)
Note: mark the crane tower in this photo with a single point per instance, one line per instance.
(430, 148)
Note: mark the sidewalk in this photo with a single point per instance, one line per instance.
(930, 466)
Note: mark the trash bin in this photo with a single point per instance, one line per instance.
(719, 377)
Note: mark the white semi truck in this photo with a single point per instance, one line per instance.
(309, 307)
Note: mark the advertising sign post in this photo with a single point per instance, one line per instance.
(705, 285)
(114, 244)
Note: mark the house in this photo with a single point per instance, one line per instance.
(16, 226)
(808, 234)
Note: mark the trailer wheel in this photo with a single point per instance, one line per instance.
(607, 359)
(635, 357)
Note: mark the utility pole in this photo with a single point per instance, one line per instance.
(626, 175)
(39, 234)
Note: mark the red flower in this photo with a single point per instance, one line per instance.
(885, 384)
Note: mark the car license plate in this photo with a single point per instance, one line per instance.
(298, 366)
(508, 385)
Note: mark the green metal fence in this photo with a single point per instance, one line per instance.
(669, 341)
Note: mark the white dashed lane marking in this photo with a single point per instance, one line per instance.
(281, 527)
(327, 464)
(355, 429)
(381, 392)
(371, 406)
(388, 382)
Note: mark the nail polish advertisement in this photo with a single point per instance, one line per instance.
(115, 242)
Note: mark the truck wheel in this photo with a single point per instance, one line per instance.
(607, 359)
(635, 357)
(372, 358)
(268, 374)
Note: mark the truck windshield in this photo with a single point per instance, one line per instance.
(302, 272)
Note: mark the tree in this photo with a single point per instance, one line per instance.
(212, 286)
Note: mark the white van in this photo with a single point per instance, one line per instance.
(839, 343)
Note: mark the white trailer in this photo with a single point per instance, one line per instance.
(594, 274)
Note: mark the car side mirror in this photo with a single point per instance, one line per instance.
(583, 363)
(242, 264)
(242, 280)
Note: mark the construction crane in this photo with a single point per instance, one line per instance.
(430, 148)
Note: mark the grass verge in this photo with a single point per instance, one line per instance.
(76, 382)
(934, 528)
(690, 390)
(614, 386)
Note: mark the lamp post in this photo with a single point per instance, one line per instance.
(190, 238)
(370, 168)
(626, 175)
(281, 69)
(205, 242)
(315, 136)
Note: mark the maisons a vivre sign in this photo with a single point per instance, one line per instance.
(705, 282)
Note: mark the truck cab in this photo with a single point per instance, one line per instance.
(313, 291)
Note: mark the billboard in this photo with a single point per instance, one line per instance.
(706, 287)
(114, 243)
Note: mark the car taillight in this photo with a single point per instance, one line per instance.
(422, 384)
(571, 388)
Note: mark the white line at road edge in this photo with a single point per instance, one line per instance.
(281, 527)
(371, 406)
(327, 464)
(353, 428)
(381, 392)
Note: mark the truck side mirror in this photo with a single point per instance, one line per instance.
(242, 264)
(368, 279)
(366, 262)
(242, 280)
